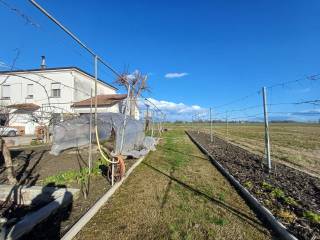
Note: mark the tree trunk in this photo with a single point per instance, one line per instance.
(132, 105)
(8, 162)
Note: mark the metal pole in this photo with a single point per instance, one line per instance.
(159, 126)
(227, 122)
(211, 137)
(72, 35)
(125, 119)
(90, 129)
(112, 174)
(147, 119)
(151, 123)
(198, 117)
(266, 128)
(192, 123)
(96, 90)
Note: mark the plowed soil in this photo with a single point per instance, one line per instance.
(291, 195)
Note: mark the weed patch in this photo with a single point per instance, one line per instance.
(72, 176)
(312, 216)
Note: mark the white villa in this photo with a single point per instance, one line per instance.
(61, 90)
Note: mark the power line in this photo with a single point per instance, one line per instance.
(27, 19)
(315, 102)
(237, 100)
(314, 77)
(12, 65)
(66, 30)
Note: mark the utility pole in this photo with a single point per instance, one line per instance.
(211, 137)
(266, 128)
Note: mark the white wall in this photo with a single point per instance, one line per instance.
(41, 88)
(113, 109)
(84, 83)
(23, 120)
(75, 86)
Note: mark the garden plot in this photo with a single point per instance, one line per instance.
(35, 166)
(291, 195)
(175, 193)
(293, 144)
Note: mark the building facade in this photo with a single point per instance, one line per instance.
(54, 90)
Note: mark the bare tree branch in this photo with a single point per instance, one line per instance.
(138, 83)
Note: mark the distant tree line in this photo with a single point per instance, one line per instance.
(238, 121)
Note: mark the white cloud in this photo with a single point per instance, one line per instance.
(3, 65)
(177, 111)
(132, 75)
(176, 75)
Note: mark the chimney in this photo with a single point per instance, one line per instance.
(43, 62)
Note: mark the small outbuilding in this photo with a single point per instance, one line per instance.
(105, 103)
(23, 117)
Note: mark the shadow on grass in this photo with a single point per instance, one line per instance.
(168, 187)
(234, 211)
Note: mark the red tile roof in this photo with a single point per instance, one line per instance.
(103, 100)
(25, 106)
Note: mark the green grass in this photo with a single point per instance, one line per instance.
(175, 193)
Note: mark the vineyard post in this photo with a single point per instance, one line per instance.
(199, 124)
(152, 115)
(211, 137)
(266, 128)
(227, 123)
(191, 122)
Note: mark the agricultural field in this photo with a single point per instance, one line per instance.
(297, 145)
(291, 195)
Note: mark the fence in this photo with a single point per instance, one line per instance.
(286, 132)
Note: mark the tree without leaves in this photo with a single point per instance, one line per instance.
(138, 84)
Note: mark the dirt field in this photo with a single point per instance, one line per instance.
(295, 144)
(291, 195)
(35, 166)
(176, 193)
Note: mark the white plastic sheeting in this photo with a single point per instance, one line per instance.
(75, 133)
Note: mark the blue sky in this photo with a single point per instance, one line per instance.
(198, 54)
